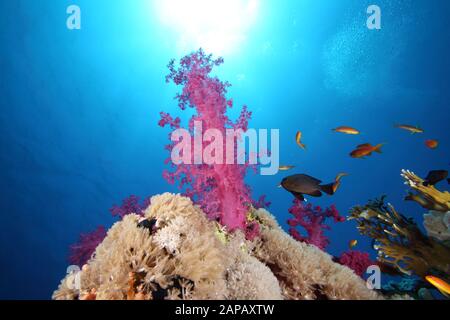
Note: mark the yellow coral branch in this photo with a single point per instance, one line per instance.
(428, 196)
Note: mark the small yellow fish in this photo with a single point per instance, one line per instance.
(352, 244)
(286, 168)
(346, 130)
(298, 138)
(412, 129)
(440, 284)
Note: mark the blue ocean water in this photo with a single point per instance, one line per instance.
(78, 126)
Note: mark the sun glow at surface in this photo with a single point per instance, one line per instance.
(218, 26)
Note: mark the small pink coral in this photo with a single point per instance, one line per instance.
(130, 205)
(312, 219)
(252, 230)
(358, 261)
(82, 251)
(262, 203)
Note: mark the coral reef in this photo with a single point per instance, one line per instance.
(82, 251)
(399, 241)
(426, 195)
(176, 252)
(219, 189)
(303, 270)
(312, 219)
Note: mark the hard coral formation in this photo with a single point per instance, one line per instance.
(303, 270)
(219, 189)
(428, 196)
(399, 241)
(178, 255)
(312, 219)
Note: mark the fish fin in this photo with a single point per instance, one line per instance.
(378, 148)
(364, 145)
(316, 193)
(301, 145)
(314, 179)
(299, 196)
(328, 188)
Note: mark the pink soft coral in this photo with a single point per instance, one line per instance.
(82, 251)
(312, 219)
(130, 205)
(262, 203)
(358, 261)
(219, 188)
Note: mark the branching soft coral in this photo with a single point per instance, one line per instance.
(82, 251)
(312, 219)
(358, 261)
(130, 205)
(399, 241)
(219, 189)
(262, 203)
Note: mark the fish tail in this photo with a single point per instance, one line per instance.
(328, 188)
(378, 147)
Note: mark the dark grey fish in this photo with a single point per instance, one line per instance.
(435, 177)
(302, 184)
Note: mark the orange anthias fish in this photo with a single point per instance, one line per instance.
(440, 284)
(432, 144)
(285, 168)
(412, 129)
(366, 149)
(298, 139)
(352, 244)
(346, 130)
(337, 181)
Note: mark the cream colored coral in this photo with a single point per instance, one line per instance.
(304, 271)
(185, 257)
(249, 279)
